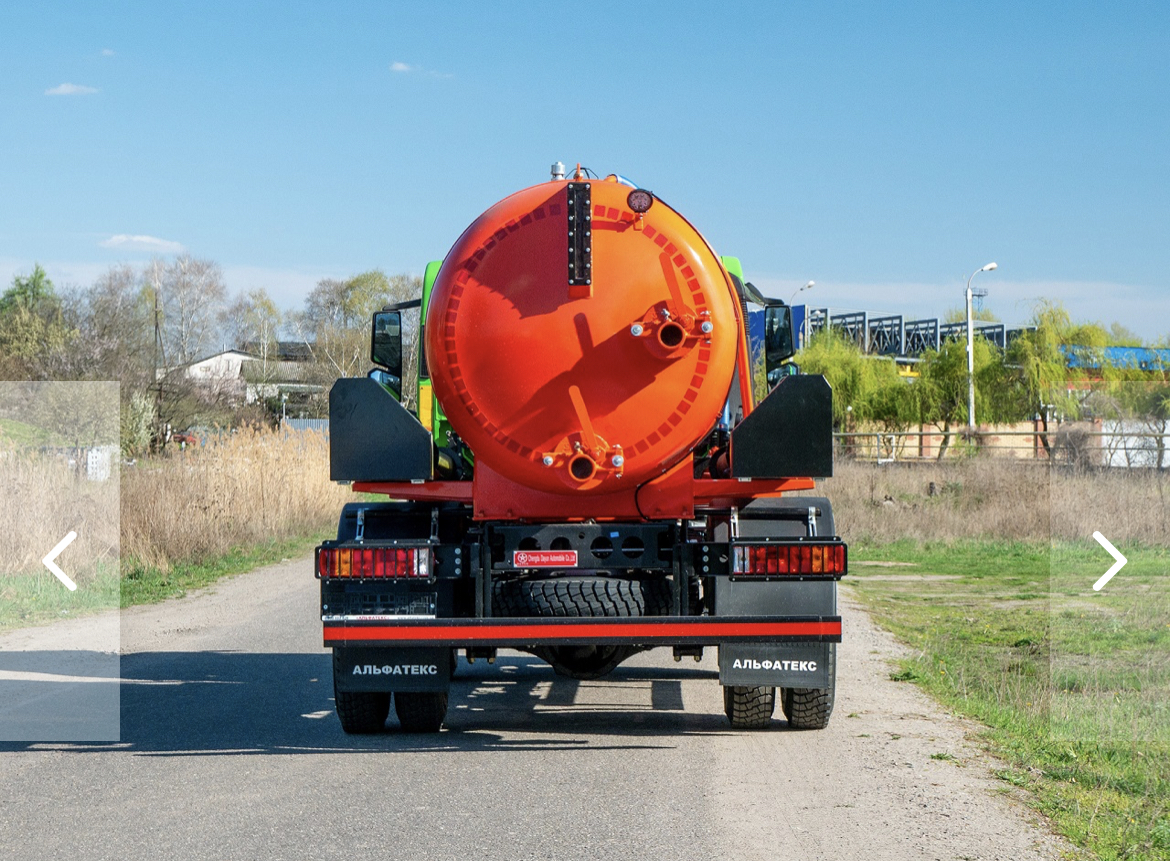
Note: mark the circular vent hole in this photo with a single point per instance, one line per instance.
(601, 547)
(633, 548)
(528, 543)
(560, 543)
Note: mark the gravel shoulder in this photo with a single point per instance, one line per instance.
(229, 749)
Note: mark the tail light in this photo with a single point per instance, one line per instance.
(789, 559)
(365, 563)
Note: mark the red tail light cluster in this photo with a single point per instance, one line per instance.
(802, 558)
(361, 563)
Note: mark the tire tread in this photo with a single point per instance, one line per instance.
(749, 707)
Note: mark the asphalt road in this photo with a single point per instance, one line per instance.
(230, 750)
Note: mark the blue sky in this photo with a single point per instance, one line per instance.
(885, 150)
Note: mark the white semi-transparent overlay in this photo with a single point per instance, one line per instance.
(59, 647)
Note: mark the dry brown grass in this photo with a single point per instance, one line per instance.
(41, 499)
(246, 488)
(983, 497)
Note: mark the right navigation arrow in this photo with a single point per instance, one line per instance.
(1117, 566)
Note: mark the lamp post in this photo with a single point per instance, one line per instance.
(807, 286)
(971, 350)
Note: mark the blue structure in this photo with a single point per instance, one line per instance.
(1138, 358)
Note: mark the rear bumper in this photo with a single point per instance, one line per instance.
(641, 631)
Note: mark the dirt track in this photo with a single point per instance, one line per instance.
(229, 749)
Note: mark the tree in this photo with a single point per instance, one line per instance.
(943, 386)
(32, 327)
(85, 414)
(253, 325)
(34, 293)
(1038, 372)
(848, 371)
(866, 389)
(335, 324)
(113, 321)
(1120, 336)
(189, 296)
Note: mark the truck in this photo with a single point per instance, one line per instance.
(586, 457)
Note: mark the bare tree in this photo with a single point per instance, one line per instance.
(252, 323)
(335, 324)
(114, 331)
(190, 296)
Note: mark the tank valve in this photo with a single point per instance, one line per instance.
(547, 460)
(707, 327)
(636, 330)
(558, 170)
(617, 460)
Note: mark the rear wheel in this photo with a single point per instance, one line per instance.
(749, 707)
(360, 712)
(810, 708)
(421, 712)
(583, 597)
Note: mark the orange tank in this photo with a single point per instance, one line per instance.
(577, 346)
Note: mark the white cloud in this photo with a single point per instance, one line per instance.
(70, 90)
(406, 68)
(127, 242)
(108, 52)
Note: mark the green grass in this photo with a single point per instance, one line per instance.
(148, 585)
(23, 435)
(1073, 685)
(38, 598)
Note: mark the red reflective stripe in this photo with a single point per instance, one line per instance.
(518, 633)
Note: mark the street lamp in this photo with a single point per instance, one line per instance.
(971, 350)
(807, 286)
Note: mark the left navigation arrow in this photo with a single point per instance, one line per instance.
(52, 566)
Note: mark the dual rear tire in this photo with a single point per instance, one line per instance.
(804, 708)
(365, 712)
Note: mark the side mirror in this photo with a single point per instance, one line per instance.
(386, 345)
(778, 340)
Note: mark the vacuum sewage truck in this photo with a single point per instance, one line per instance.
(584, 456)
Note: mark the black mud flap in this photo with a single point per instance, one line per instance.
(376, 669)
(778, 665)
(789, 434)
(372, 437)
